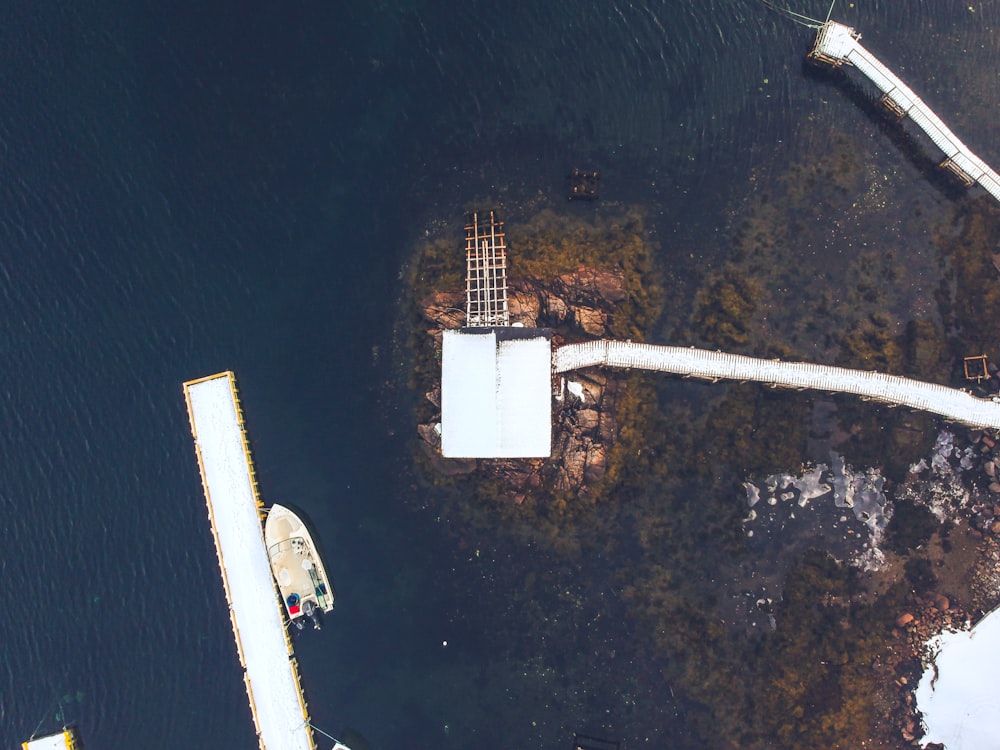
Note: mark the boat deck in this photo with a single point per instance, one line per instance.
(265, 651)
(296, 563)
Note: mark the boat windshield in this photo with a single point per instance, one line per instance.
(296, 544)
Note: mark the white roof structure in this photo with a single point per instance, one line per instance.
(496, 393)
(958, 693)
(64, 740)
(262, 643)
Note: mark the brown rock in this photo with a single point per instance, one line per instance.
(574, 461)
(428, 433)
(590, 320)
(904, 619)
(594, 376)
(447, 466)
(995, 528)
(556, 308)
(592, 392)
(524, 308)
(588, 419)
(597, 463)
(942, 603)
(995, 488)
(445, 309)
(592, 286)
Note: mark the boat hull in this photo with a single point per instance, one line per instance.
(295, 562)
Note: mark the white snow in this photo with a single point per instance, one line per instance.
(958, 693)
(261, 640)
(576, 389)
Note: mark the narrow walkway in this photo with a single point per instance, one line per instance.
(265, 652)
(951, 403)
(837, 44)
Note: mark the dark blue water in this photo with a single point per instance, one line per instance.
(191, 187)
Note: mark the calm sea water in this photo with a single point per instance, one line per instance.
(191, 187)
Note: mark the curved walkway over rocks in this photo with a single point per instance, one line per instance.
(952, 403)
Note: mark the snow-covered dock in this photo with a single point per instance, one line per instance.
(265, 651)
(837, 44)
(951, 403)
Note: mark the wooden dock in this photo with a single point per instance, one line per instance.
(837, 44)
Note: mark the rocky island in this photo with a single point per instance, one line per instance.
(575, 304)
(602, 295)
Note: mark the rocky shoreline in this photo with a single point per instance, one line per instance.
(959, 488)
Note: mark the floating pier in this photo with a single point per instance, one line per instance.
(265, 651)
(950, 403)
(837, 44)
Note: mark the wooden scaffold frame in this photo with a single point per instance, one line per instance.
(485, 272)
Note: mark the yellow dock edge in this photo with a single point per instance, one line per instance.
(218, 553)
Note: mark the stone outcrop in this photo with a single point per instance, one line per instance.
(444, 310)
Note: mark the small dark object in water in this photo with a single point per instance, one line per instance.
(583, 185)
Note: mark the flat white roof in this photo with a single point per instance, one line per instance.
(496, 393)
(261, 639)
(958, 693)
(61, 741)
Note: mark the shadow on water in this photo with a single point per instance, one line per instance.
(911, 146)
